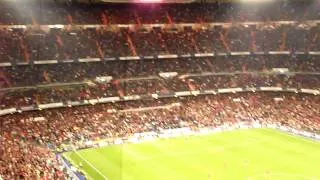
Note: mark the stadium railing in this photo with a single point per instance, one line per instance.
(158, 57)
(156, 96)
(190, 131)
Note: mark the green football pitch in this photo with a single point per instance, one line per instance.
(252, 154)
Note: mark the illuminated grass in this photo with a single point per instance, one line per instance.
(240, 154)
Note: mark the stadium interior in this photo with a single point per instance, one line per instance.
(74, 73)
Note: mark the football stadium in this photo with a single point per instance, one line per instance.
(159, 89)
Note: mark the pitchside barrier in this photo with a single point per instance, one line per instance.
(156, 96)
(72, 174)
(187, 131)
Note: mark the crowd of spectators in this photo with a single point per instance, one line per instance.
(22, 135)
(77, 72)
(20, 45)
(25, 137)
(36, 96)
(76, 82)
(20, 159)
(35, 12)
(25, 45)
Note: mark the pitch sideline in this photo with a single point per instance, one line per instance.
(97, 170)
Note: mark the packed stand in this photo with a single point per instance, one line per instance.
(78, 72)
(41, 84)
(120, 88)
(25, 45)
(23, 137)
(24, 142)
(31, 12)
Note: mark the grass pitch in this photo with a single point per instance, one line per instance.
(252, 154)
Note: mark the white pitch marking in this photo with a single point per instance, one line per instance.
(91, 165)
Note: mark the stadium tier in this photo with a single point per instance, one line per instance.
(75, 76)
(27, 13)
(50, 44)
(26, 135)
